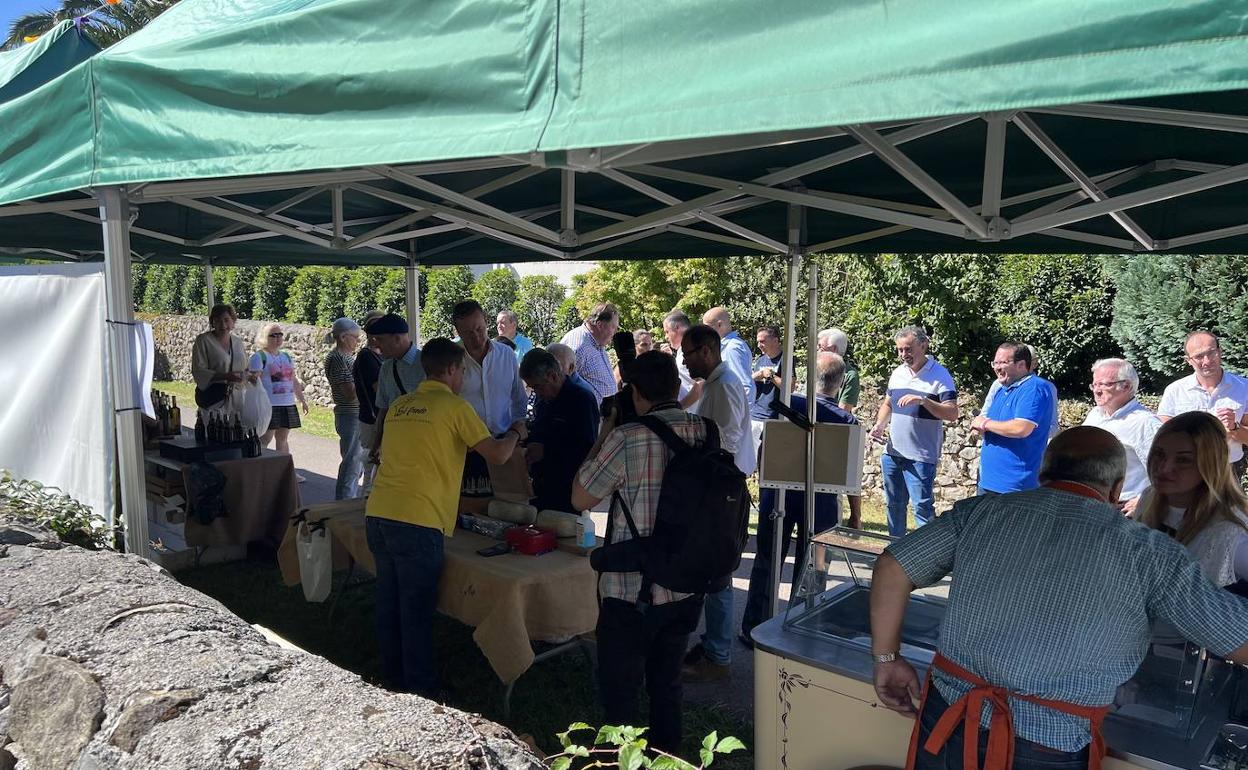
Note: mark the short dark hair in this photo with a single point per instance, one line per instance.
(1018, 350)
(464, 309)
(220, 310)
(439, 355)
(771, 329)
(677, 320)
(703, 336)
(654, 376)
(538, 364)
(603, 312)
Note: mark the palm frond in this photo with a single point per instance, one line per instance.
(29, 25)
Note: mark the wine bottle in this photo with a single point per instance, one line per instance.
(236, 430)
(175, 417)
(201, 430)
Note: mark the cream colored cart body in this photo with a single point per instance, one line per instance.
(815, 708)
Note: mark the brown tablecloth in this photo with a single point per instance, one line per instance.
(509, 599)
(261, 494)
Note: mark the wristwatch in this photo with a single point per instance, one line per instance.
(887, 657)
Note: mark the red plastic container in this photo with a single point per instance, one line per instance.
(531, 540)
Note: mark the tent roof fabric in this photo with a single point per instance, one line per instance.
(60, 49)
(460, 122)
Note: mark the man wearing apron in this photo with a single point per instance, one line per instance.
(1052, 594)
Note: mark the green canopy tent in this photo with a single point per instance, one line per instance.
(368, 131)
(60, 49)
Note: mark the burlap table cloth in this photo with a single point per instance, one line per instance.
(261, 494)
(509, 599)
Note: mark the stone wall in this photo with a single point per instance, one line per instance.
(108, 662)
(306, 345)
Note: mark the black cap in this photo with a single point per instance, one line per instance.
(389, 323)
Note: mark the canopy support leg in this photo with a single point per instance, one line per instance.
(812, 378)
(797, 242)
(412, 276)
(126, 413)
(210, 288)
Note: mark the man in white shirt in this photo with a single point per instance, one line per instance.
(1114, 386)
(735, 351)
(492, 383)
(723, 402)
(675, 324)
(1210, 388)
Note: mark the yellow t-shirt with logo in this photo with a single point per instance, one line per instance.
(427, 435)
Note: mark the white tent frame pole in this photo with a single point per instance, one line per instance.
(1229, 175)
(140, 230)
(210, 286)
(913, 173)
(1076, 174)
(994, 168)
(126, 415)
(797, 236)
(276, 208)
(812, 379)
(567, 203)
(411, 281)
(1160, 116)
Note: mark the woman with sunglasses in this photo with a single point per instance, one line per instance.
(1195, 498)
(277, 373)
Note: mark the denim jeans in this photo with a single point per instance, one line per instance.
(367, 433)
(717, 639)
(634, 647)
(907, 481)
(409, 565)
(347, 425)
(1027, 755)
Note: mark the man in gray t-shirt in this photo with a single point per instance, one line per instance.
(921, 398)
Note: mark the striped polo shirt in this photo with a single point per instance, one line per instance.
(915, 433)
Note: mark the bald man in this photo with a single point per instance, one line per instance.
(1210, 388)
(1041, 580)
(566, 357)
(734, 350)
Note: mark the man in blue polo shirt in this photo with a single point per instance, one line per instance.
(1016, 426)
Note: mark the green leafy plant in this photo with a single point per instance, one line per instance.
(627, 748)
(537, 304)
(45, 506)
(495, 290)
(447, 286)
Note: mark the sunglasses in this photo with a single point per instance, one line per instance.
(276, 334)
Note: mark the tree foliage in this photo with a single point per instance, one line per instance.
(236, 286)
(305, 295)
(363, 289)
(271, 290)
(495, 290)
(331, 301)
(104, 24)
(447, 286)
(538, 300)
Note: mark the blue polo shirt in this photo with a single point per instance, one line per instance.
(1013, 464)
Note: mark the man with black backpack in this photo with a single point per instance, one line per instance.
(677, 527)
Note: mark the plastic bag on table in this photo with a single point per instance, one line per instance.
(316, 561)
(251, 404)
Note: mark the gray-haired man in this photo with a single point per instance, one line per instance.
(1114, 386)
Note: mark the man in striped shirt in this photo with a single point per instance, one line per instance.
(589, 342)
(1053, 596)
(634, 644)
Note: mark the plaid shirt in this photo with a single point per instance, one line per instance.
(632, 461)
(1053, 594)
(591, 361)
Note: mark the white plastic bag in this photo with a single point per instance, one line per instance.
(251, 403)
(316, 561)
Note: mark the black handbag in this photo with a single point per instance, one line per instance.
(207, 398)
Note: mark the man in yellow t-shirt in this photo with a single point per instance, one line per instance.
(413, 505)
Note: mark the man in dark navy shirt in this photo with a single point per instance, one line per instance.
(565, 426)
(831, 372)
(365, 372)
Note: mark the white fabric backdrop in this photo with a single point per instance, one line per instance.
(55, 412)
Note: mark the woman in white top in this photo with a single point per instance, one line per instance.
(1195, 497)
(218, 358)
(277, 373)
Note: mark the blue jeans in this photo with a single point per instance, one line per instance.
(907, 481)
(717, 640)
(347, 425)
(409, 565)
(1027, 755)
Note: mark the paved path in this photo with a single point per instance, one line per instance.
(317, 460)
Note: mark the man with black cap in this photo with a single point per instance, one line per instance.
(401, 371)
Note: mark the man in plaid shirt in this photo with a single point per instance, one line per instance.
(635, 644)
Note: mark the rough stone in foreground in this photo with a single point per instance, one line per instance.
(161, 676)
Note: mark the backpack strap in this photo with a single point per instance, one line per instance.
(664, 431)
(397, 379)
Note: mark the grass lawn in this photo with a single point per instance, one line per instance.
(319, 421)
(550, 696)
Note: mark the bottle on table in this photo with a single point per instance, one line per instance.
(175, 417)
(201, 430)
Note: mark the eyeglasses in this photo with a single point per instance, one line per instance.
(1099, 386)
(1002, 364)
